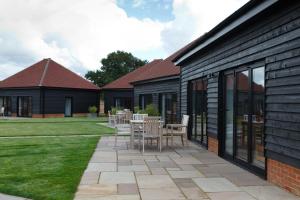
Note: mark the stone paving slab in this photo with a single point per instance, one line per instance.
(9, 197)
(120, 173)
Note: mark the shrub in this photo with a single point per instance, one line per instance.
(151, 110)
(115, 109)
(93, 109)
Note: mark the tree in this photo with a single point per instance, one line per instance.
(115, 65)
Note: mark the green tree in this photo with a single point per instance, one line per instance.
(115, 65)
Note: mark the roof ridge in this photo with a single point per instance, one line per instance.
(44, 72)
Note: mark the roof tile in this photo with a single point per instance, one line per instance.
(47, 73)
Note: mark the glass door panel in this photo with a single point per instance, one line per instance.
(199, 110)
(258, 92)
(229, 103)
(68, 107)
(242, 115)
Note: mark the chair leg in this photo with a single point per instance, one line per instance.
(116, 139)
(182, 140)
(143, 144)
(159, 144)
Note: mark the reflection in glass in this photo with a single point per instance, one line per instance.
(199, 110)
(5, 101)
(229, 114)
(258, 90)
(242, 114)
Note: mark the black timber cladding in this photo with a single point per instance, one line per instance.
(110, 95)
(158, 87)
(54, 100)
(274, 38)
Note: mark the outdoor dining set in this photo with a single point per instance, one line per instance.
(148, 129)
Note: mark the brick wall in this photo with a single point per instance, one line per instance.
(213, 145)
(80, 114)
(284, 175)
(54, 115)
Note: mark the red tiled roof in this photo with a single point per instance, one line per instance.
(164, 68)
(47, 73)
(124, 81)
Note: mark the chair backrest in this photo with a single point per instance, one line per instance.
(139, 116)
(152, 126)
(128, 115)
(185, 122)
(120, 112)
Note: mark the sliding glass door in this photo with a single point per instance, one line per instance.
(24, 106)
(168, 107)
(243, 140)
(198, 111)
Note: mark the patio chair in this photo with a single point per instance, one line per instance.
(179, 130)
(128, 116)
(112, 119)
(137, 128)
(152, 130)
(121, 115)
(121, 130)
(139, 116)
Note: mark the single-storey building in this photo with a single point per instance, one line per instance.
(159, 85)
(47, 89)
(240, 84)
(119, 93)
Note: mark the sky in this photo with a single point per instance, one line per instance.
(79, 33)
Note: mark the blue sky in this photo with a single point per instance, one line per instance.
(160, 10)
(78, 34)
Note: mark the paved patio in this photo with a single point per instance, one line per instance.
(192, 172)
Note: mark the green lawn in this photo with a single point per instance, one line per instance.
(46, 168)
(53, 127)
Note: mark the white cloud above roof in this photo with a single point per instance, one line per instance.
(79, 33)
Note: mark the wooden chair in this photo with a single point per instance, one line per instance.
(139, 116)
(152, 130)
(121, 130)
(112, 119)
(128, 116)
(179, 130)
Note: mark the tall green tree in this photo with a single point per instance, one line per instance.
(115, 65)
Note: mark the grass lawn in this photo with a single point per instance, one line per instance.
(46, 168)
(53, 127)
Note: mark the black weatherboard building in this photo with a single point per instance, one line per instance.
(241, 82)
(47, 89)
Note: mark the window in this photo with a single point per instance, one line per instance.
(145, 99)
(244, 116)
(5, 102)
(198, 110)
(168, 107)
(24, 108)
(123, 102)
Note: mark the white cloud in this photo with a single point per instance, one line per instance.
(76, 33)
(195, 17)
(79, 33)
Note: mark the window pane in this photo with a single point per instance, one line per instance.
(242, 114)
(204, 111)
(258, 91)
(229, 114)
